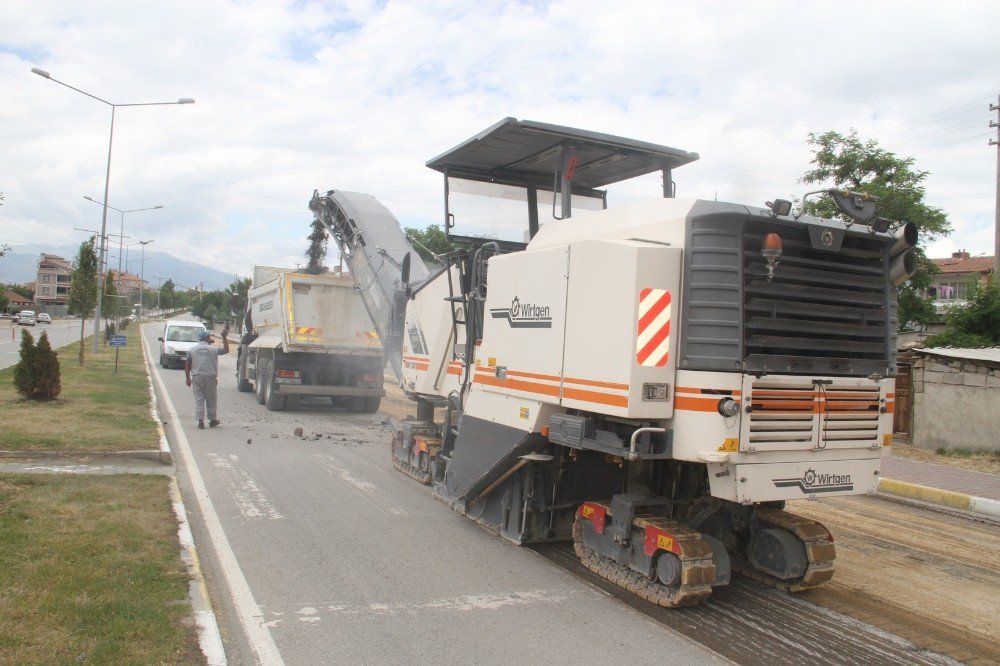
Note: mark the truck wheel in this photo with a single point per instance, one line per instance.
(162, 363)
(356, 404)
(260, 380)
(372, 404)
(243, 385)
(272, 400)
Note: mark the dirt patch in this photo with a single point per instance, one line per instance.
(980, 462)
(929, 577)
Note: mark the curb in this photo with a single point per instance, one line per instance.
(165, 456)
(141, 454)
(209, 637)
(948, 498)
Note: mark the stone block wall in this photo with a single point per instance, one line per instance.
(956, 404)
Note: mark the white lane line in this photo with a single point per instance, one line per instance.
(249, 613)
(367, 490)
(245, 489)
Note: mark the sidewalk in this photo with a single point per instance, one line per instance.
(964, 489)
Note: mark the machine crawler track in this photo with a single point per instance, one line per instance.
(409, 470)
(697, 568)
(820, 552)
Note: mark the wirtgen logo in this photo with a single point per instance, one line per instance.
(524, 315)
(812, 482)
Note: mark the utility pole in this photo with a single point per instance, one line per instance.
(996, 204)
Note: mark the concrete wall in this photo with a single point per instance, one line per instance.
(956, 404)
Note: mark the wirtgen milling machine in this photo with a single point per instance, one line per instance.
(653, 380)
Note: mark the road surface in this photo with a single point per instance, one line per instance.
(60, 332)
(317, 551)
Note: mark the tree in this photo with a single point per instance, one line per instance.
(21, 290)
(36, 375)
(975, 324)
(167, 295)
(113, 306)
(83, 289)
(237, 292)
(429, 242)
(317, 249)
(849, 162)
(24, 378)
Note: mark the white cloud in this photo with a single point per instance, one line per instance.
(293, 96)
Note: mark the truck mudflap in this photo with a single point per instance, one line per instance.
(769, 482)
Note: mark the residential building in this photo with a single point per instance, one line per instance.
(957, 276)
(16, 302)
(54, 275)
(127, 283)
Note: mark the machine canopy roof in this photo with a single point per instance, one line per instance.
(526, 152)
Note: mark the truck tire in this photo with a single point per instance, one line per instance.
(274, 401)
(243, 384)
(260, 380)
(372, 405)
(162, 362)
(356, 404)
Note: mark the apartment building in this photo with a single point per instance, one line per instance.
(957, 276)
(52, 281)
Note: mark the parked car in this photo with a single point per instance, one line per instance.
(43, 318)
(178, 337)
(26, 318)
(6, 315)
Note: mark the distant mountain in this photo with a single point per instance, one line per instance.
(20, 264)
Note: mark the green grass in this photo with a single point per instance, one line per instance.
(97, 410)
(90, 572)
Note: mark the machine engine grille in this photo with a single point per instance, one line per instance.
(788, 415)
(823, 312)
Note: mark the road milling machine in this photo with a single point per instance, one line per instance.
(651, 380)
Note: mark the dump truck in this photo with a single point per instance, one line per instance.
(308, 335)
(651, 381)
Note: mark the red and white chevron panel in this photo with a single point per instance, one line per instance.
(653, 340)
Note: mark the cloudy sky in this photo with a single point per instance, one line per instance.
(354, 95)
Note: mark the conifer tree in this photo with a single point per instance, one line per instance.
(48, 383)
(24, 371)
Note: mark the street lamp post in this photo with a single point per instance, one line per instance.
(142, 279)
(159, 288)
(121, 231)
(107, 183)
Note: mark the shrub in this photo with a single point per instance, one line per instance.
(36, 376)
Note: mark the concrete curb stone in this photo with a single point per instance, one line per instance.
(962, 501)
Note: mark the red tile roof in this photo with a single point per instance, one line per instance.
(964, 265)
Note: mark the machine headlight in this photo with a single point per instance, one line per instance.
(728, 407)
(170, 350)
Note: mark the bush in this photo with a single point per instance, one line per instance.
(975, 324)
(36, 376)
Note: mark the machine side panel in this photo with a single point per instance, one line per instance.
(697, 424)
(621, 328)
(428, 340)
(524, 324)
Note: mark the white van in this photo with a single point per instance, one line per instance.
(178, 337)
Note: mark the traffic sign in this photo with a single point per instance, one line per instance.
(117, 341)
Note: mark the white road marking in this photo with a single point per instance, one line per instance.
(460, 604)
(249, 613)
(366, 489)
(245, 489)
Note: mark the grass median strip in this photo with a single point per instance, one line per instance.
(90, 572)
(97, 410)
